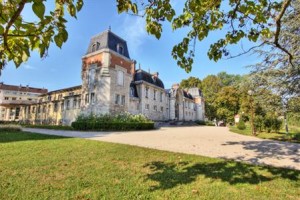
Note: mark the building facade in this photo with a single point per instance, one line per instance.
(112, 84)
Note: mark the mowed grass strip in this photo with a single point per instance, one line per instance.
(294, 134)
(34, 166)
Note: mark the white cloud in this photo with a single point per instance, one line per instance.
(26, 66)
(134, 29)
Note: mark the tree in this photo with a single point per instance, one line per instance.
(276, 68)
(229, 79)
(18, 37)
(227, 103)
(244, 20)
(191, 82)
(211, 85)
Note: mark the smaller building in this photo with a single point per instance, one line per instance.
(13, 97)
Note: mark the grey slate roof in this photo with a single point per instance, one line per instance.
(141, 75)
(108, 39)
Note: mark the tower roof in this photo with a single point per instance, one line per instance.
(109, 40)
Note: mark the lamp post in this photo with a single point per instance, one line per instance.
(250, 92)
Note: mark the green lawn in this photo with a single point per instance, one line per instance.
(294, 135)
(34, 166)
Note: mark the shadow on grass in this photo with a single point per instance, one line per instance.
(6, 137)
(169, 175)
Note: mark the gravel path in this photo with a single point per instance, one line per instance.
(217, 142)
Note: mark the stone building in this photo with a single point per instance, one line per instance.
(112, 84)
(13, 97)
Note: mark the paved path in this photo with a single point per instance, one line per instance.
(215, 142)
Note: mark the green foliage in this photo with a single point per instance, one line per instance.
(259, 123)
(118, 122)
(19, 37)
(242, 20)
(200, 122)
(112, 126)
(10, 128)
(241, 125)
(272, 123)
(191, 82)
(54, 127)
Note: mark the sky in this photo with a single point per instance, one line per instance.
(62, 67)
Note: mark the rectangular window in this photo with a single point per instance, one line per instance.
(154, 95)
(123, 100)
(68, 104)
(117, 99)
(79, 102)
(146, 92)
(55, 107)
(92, 97)
(86, 98)
(147, 106)
(74, 103)
(120, 78)
(162, 109)
(155, 108)
(49, 97)
(6, 98)
(14, 98)
(161, 97)
(62, 106)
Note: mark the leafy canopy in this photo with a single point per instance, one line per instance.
(18, 37)
(243, 19)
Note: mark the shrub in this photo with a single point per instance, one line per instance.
(113, 122)
(259, 123)
(241, 125)
(10, 128)
(200, 122)
(276, 125)
(112, 126)
(268, 124)
(53, 127)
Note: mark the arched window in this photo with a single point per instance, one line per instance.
(94, 47)
(98, 46)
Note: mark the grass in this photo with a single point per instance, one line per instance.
(34, 166)
(294, 134)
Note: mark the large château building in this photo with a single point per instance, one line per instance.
(111, 83)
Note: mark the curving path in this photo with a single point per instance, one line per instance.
(216, 142)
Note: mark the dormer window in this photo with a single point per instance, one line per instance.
(120, 49)
(96, 46)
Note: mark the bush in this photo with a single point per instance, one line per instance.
(241, 125)
(276, 125)
(259, 123)
(272, 124)
(200, 122)
(112, 126)
(117, 122)
(53, 127)
(10, 128)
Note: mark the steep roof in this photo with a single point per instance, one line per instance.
(109, 40)
(141, 75)
(21, 88)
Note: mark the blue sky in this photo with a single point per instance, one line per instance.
(62, 68)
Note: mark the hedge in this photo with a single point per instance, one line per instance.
(53, 127)
(10, 128)
(112, 126)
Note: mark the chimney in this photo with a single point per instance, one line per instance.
(175, 86)
(155, 74)
(133, 67)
